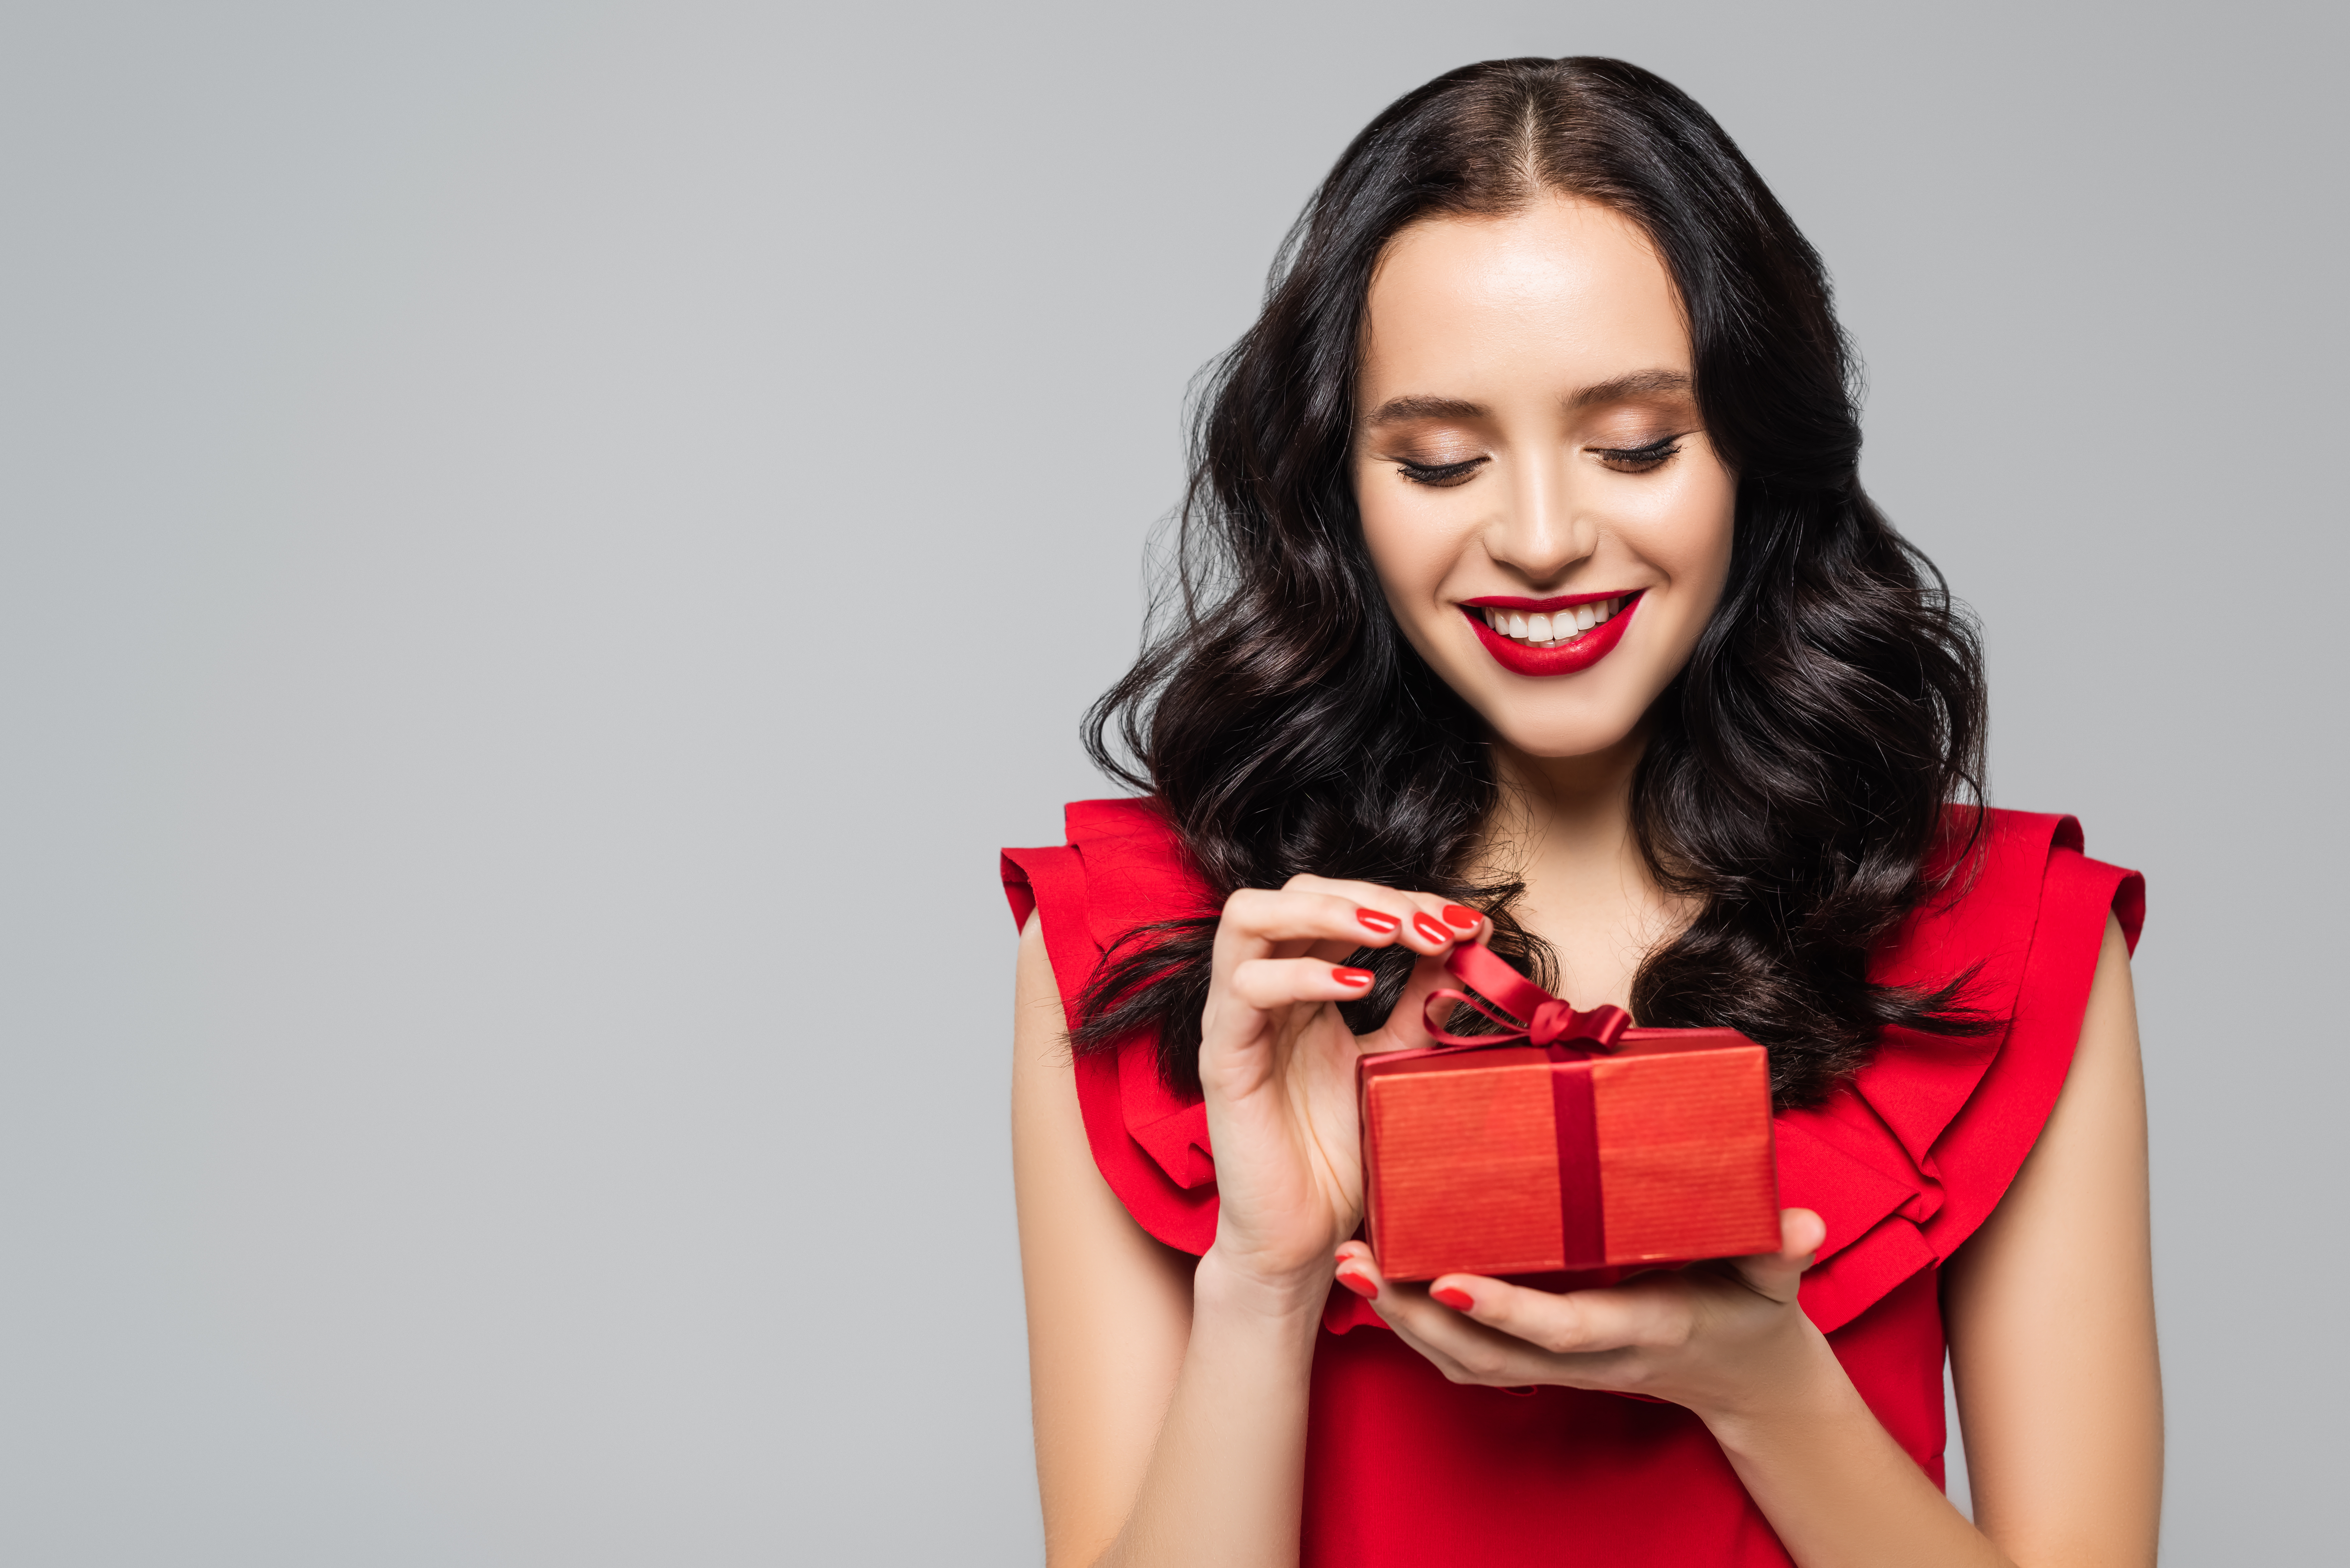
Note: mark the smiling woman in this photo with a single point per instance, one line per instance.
(1543, 337)
(1530, 597)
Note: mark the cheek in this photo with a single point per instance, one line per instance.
(1709, 565)
(1690, 539)
(1412, 551)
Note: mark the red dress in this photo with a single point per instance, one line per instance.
(1903, 1162)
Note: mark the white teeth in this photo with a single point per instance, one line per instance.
(1557, 626)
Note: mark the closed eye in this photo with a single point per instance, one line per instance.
(1441, 475)
(1639, 459)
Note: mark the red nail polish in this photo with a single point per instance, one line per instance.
(1454, 1297)
(1465, 918)
(1377, 923)
(1357, 1283)
(1353, 976)
(1429, 926)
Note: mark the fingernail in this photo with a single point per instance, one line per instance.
(1429, 926)
(1465, 918)
(1377, 923)
(1357, 1283)
(1353, 976)
(1454, 1297)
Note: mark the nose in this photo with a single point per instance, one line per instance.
(1541, 532)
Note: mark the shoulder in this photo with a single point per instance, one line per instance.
(1124, 867)
(1911, 1155)
(2007, 876)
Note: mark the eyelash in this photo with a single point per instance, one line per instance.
(1441, 475)
(1622, 459)
(1639, 459)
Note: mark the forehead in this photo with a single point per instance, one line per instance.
(1563, 290)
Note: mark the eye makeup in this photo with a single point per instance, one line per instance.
(1639, 459)
(1441, 475)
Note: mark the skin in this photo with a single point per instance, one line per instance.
(1170, 1396)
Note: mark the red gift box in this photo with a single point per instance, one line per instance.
(1570, 1142)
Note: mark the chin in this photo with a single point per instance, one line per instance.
(1555, 740)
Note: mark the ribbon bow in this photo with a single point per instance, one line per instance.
(1547, 1021)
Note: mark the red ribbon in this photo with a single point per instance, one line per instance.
(1551, 1024)
(1547, 1021)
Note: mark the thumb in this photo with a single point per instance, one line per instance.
(1409, 1022)
(1777, 1275)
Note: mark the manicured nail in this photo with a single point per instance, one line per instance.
(1357, 1283)
(1435, 930)
(1378, 924)
(1465, 918)
(1353, 976)
(1454, 1297)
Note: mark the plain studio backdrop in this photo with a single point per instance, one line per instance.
(546, 544)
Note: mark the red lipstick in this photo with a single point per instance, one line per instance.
(1580, 653)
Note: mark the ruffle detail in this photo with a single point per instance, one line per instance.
(1125, 867)
(1903, 1162)
(1908, 1158)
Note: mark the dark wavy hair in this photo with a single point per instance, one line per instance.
(1805, 770)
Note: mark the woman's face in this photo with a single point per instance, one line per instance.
(1548, 519)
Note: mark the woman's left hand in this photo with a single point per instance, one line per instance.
(1722, 1338)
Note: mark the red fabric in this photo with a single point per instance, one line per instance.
(1904, 1162)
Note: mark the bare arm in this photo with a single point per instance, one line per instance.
(1171, 1400)
(1108, 1308)
(1166, 1431)
(2050, 1310)
(2052, 1330)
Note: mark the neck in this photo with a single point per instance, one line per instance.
(1564, 828)
(1569, 812)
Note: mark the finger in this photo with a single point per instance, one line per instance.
(1406, 1024)
(1398, 1307)
(1467, 1351)
(1777, 1275)
(1257, 921)
(1269, 983)
(1568, 1323)
(1359, 1271)
(1449, 922)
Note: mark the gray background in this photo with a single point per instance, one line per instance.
(544, 545)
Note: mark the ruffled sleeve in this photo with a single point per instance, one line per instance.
(1909, 1157)
(1124, 867)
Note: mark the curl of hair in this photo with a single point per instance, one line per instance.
(1804, 772)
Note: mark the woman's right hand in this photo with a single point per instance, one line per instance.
(1277, 1063)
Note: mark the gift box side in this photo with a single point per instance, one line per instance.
(1462, 1171)
(1685, 1140)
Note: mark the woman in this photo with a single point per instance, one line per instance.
(1530, 596)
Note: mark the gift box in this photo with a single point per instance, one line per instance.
(1566, 1143)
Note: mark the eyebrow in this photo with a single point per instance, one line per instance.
(1638, 383)
(1397, 410)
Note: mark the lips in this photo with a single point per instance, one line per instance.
(1579, 653)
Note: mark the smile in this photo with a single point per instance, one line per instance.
(1552, 636)
(1561, 627)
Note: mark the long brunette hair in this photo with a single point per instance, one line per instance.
(1800, 770)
